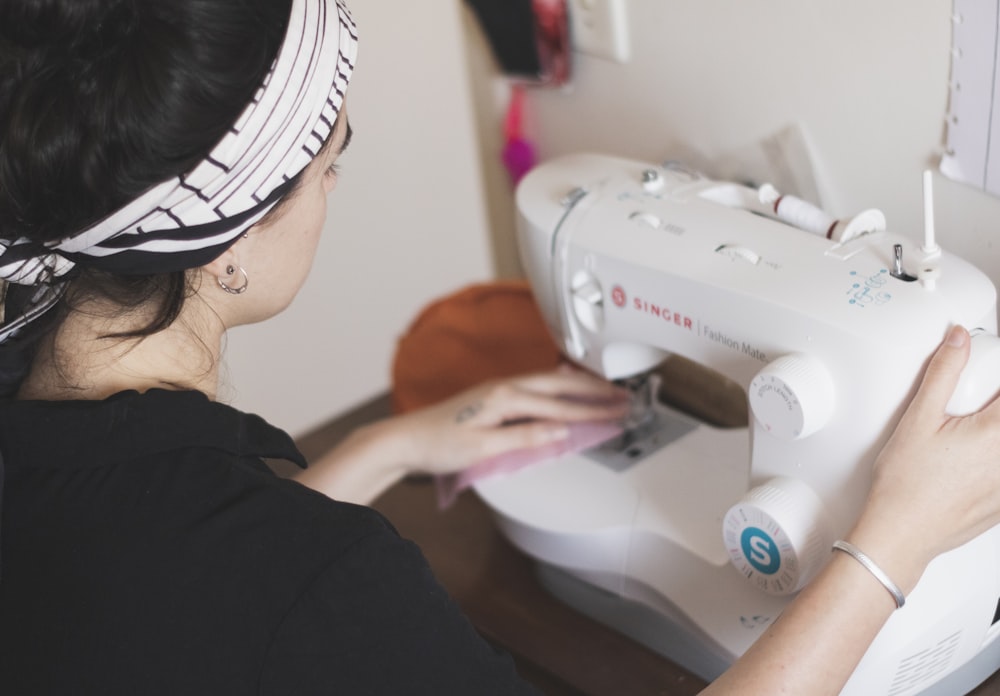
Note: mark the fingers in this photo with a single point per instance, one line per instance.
(569, 381)
(563, 394)
(527, 405)
(549, 438)
(942, 374)
(511, 402)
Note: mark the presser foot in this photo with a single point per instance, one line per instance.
(657, 429)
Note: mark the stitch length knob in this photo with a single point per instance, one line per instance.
(792, 397)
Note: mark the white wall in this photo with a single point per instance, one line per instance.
(866, 81)
(406, 224)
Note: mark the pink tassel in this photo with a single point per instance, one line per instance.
(518, 152)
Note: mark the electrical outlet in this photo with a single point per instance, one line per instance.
(599, 28)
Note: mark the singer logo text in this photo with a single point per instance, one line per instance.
(664, 313)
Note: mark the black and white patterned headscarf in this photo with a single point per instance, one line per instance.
(188, 221)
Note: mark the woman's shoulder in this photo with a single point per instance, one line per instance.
(132, 425)
(171, 460)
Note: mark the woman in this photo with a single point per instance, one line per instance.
(163, 177)
(146, 209)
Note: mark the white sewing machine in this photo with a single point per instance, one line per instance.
(692, 538)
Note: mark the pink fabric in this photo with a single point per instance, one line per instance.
(582, 436)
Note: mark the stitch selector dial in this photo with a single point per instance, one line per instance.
(775, 535)
(980, 378)
(792, 397)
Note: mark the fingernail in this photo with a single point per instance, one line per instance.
(956, 337)
(558, 432)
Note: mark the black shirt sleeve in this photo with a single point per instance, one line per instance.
(376, 621)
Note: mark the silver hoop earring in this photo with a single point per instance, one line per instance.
(241, 289)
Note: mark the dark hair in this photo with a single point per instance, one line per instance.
(102, 99)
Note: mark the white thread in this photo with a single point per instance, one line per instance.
(804, 215)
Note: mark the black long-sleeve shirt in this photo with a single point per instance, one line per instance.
(147, 549)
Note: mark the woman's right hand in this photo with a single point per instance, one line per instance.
(498, 416)
(504, 415)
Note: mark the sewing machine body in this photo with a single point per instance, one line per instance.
(630, 263)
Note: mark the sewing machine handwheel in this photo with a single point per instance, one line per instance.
(776, 535)
(980, 380)
(792, 397)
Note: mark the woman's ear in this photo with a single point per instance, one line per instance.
(223, 266)
(226, 273)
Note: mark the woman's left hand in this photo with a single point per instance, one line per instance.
(505, 415)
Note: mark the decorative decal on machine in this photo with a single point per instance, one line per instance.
(618, 296)
(660, 311)
(669, 315)
(739, 346)
(867, 291)
(755, 622)
(663, 312)
(760, 551)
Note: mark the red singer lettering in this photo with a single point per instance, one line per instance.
(663, 312)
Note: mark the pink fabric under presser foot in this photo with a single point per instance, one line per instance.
(582, 436)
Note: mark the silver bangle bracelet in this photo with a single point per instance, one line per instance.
(870, 565)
